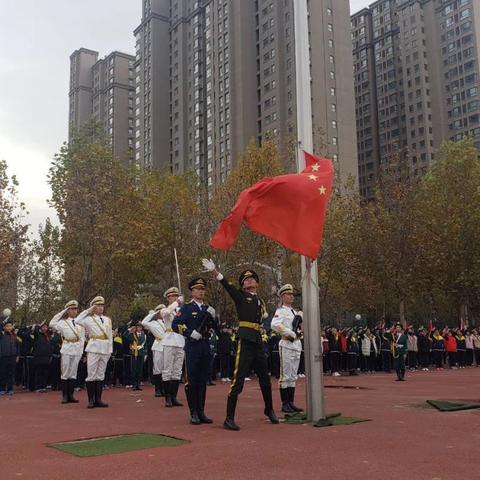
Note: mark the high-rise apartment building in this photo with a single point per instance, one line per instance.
(417, 84)
(103, 89)
(214, 75)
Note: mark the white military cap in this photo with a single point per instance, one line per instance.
(287, 288)
(71, 304)
(97, 301)
(171, 291)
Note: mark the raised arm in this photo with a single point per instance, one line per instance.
(80, 320)
(151, 316)
(209, 266)
(169, 310)
(54, 321)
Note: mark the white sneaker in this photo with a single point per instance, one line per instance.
(247, 379)
(224, 380)
(336, 374)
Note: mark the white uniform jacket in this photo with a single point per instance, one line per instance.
(99, 332)
(282, 323)
(157, 328)
(73, 335)
(171, 339)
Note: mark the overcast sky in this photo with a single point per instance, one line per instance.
(37, 38)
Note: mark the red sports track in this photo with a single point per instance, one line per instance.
(399, 443)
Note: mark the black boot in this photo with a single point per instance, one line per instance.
(291, 399)
(267, 398)
(91, 394)
(98, 395)
(157, 381)
(161, 393)
(64, 391)
(284, 396)
(229, 422)
(175, 402)
(193, 395)
(202, 395)
(71, 389)
(271, 416)
(191, 406)
(168, 393)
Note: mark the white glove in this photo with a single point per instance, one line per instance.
(195, 335)
(209, 265)
(211, 311)
(180, 300)
(265, 316)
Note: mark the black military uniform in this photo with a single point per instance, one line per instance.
(250, 352)
(223, 352)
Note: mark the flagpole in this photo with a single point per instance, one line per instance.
(311, 307)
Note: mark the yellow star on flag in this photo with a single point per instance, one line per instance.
(322, 190)
(313, 177)
(315, 167)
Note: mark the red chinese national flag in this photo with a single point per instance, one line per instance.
(289, 209)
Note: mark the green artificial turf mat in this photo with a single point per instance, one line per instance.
(335, 419)
(116, 444)
(421, 405)
(446, 406)
(346, 420)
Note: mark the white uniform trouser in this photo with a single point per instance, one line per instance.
(289, 362)
(96, 366)
(69, 366)
(157, 362)
(172, 363)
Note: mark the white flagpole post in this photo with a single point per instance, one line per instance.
(311, 307)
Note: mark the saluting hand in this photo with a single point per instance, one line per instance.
(209, 265)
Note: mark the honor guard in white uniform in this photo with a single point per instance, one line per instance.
(156, 326)
(98, 329)
(73, 341)
(173, 349)
(286, 322)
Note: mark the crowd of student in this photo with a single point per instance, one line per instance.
(370, 351)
